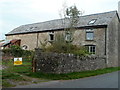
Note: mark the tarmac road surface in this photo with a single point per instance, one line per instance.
(109, 80)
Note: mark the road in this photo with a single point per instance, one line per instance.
(109, 80)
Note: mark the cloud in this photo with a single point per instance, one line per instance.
(14, 13)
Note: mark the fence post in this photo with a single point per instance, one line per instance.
(34, 62)
(33, 65)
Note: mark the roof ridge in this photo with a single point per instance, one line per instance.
(100, 13)
(103, 19)
(42, 22)
(63, 18)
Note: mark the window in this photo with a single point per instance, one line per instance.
(51, 36)
(89, 34)
(31, 27)
(68, 36)
(92, 21)
(24, 47)
(91, 49)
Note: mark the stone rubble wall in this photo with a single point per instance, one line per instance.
(66, 63)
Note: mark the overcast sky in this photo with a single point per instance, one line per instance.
(14, 13)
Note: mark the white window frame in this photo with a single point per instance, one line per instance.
(91, 49)
(89, 31)
(92, 21)
(25, 47)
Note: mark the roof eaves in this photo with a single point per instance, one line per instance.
(82, 27)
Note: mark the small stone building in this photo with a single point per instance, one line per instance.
(99, 32)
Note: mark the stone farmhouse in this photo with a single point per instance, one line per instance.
(99, 32)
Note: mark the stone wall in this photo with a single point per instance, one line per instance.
(99, 39)
(113, 42)
(65, 63)
(31, 41)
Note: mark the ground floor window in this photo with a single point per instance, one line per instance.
(24, 47)
(91, 48)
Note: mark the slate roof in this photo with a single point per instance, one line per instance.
(101, 19)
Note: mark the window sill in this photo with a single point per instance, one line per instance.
(51, 41)
(89, 40)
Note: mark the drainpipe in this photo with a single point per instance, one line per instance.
(105, 41)
(106, 45)
(37, 40)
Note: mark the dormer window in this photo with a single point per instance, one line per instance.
(92, 21)
(31, 27)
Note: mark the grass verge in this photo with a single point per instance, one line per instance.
(13, 73)
(19, 73)
(5, 83)
(73, 75)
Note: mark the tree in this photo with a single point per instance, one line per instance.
(62, 44)
(72, 16)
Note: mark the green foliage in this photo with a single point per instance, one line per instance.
(43, 43)
(81, 51)
(73, 13)
(60, 45)
(11, 68)
(5, 83)
(27, 53)
(2, 40)
(17, 51)
(67, 48)
(73, 75)
(13, 72)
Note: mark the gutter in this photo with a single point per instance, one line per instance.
(61, 29)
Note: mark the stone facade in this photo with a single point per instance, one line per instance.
(99, 39)
(119, 8)
(112, 42)
(26, 39)
(66, 63)
(106, 34)
(33, 40)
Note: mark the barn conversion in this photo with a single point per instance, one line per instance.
(99, 32)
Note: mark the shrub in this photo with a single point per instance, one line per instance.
(81, 51)
(60, 45)
(67, 48)
(17, 51)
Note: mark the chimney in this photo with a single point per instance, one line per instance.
(119, 8)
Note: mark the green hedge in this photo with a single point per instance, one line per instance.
(17, 51)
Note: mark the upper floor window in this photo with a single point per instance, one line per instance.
(51, 36)
(89, 34)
